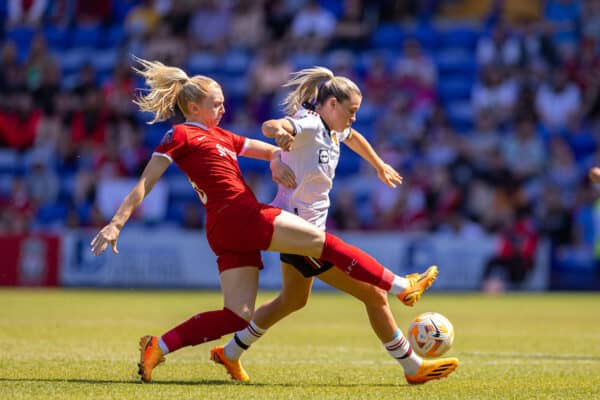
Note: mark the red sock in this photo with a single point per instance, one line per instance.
(356, 263)
(203, 327)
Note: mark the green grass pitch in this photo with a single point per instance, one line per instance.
(74, 344)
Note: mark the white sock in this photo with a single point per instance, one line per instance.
(163, 345)
(399, 284)
(399, 348)
(242, 340)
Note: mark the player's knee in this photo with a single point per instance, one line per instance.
(295, 302)
(375, 297)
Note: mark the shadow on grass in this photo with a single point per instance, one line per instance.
(536, 356)
(207, 382)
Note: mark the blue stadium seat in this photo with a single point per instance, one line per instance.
(9, 161)
(388, 36)
(235, 63)
(56, 37)
(460, 115)
(349, 162)
(105, 60)
(21, 35)
(85, 36)
(301, 60)
(112, 37)
(52, 212)
(455, 88)
(455, 60)
(427, 35)
(202, 64)
(464, 36)
(72, 60)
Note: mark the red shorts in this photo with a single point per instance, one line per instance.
(237, 236)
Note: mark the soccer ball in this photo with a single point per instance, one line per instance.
(430, 334)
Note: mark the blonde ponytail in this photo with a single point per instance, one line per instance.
(315, 85)
(305, 84)
(169, 86)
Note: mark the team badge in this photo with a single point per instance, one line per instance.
(335, 139)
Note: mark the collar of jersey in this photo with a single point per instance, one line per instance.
(326, 127)
(196, 124)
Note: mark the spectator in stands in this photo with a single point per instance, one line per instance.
(354, 27)
(312, 28)
(268, 72)
(19, 124)
(88, 125)
(563, 16)
(17, 210)
(37, 60)
(562, 169)
(495, 91)
(10, 70)
(142, 19)
(166, 47)
(485, 137)
(178, 17)
(42, 183)
(590, 19)
(415, 75)
(92, 13)
(49, 87)
(376, 81)
(278, 19)
(210, 25)
(515, 257)
(524, 150)
(26, 12)
(500, 48)
(344, 215)
(558, 101)
(118, 91)
(248, 29)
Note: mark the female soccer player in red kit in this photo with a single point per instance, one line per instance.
(238, 226)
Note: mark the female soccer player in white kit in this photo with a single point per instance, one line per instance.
(320, 110)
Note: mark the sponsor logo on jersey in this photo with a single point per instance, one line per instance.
(168, 137)
(323, 156)
(224, 151)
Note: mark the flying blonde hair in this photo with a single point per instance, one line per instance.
(315, 85)
(169, 86)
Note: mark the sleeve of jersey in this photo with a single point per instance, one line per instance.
(239, 143)
(172, 145)
(305, 127)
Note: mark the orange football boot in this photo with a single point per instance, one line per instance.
(433, 369)
(150, 357)
(234, 367)
(418, 283)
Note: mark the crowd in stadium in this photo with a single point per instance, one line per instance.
(492, 121)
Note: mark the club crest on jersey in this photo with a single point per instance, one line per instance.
(334, 138)
(323, 156)
(168, 137)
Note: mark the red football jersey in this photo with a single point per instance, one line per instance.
(209, 159)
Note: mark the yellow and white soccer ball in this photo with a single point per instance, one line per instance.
(430, 334)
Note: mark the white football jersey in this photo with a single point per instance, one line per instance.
(313, 158)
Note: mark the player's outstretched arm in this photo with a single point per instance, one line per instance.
(282, 174)
(110, 233)
(281, 130)
(363, 148)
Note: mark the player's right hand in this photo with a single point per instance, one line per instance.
(284, 139)
(107, 235)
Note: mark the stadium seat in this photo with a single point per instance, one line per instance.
(9, 161)
(235, 63)
(388, 36)
(105, 60)
(464, 36)
(201, 63)
(21, 35)
(52, 212)
(72, 60)
(56, 37)
(455, 60)
(112, 37)
(454, 88)
(85, 36)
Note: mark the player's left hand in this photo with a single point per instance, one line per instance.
(282, 174)
(108, 235)
(389, 176)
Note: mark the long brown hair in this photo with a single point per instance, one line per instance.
(169, 86)
(315, 85)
